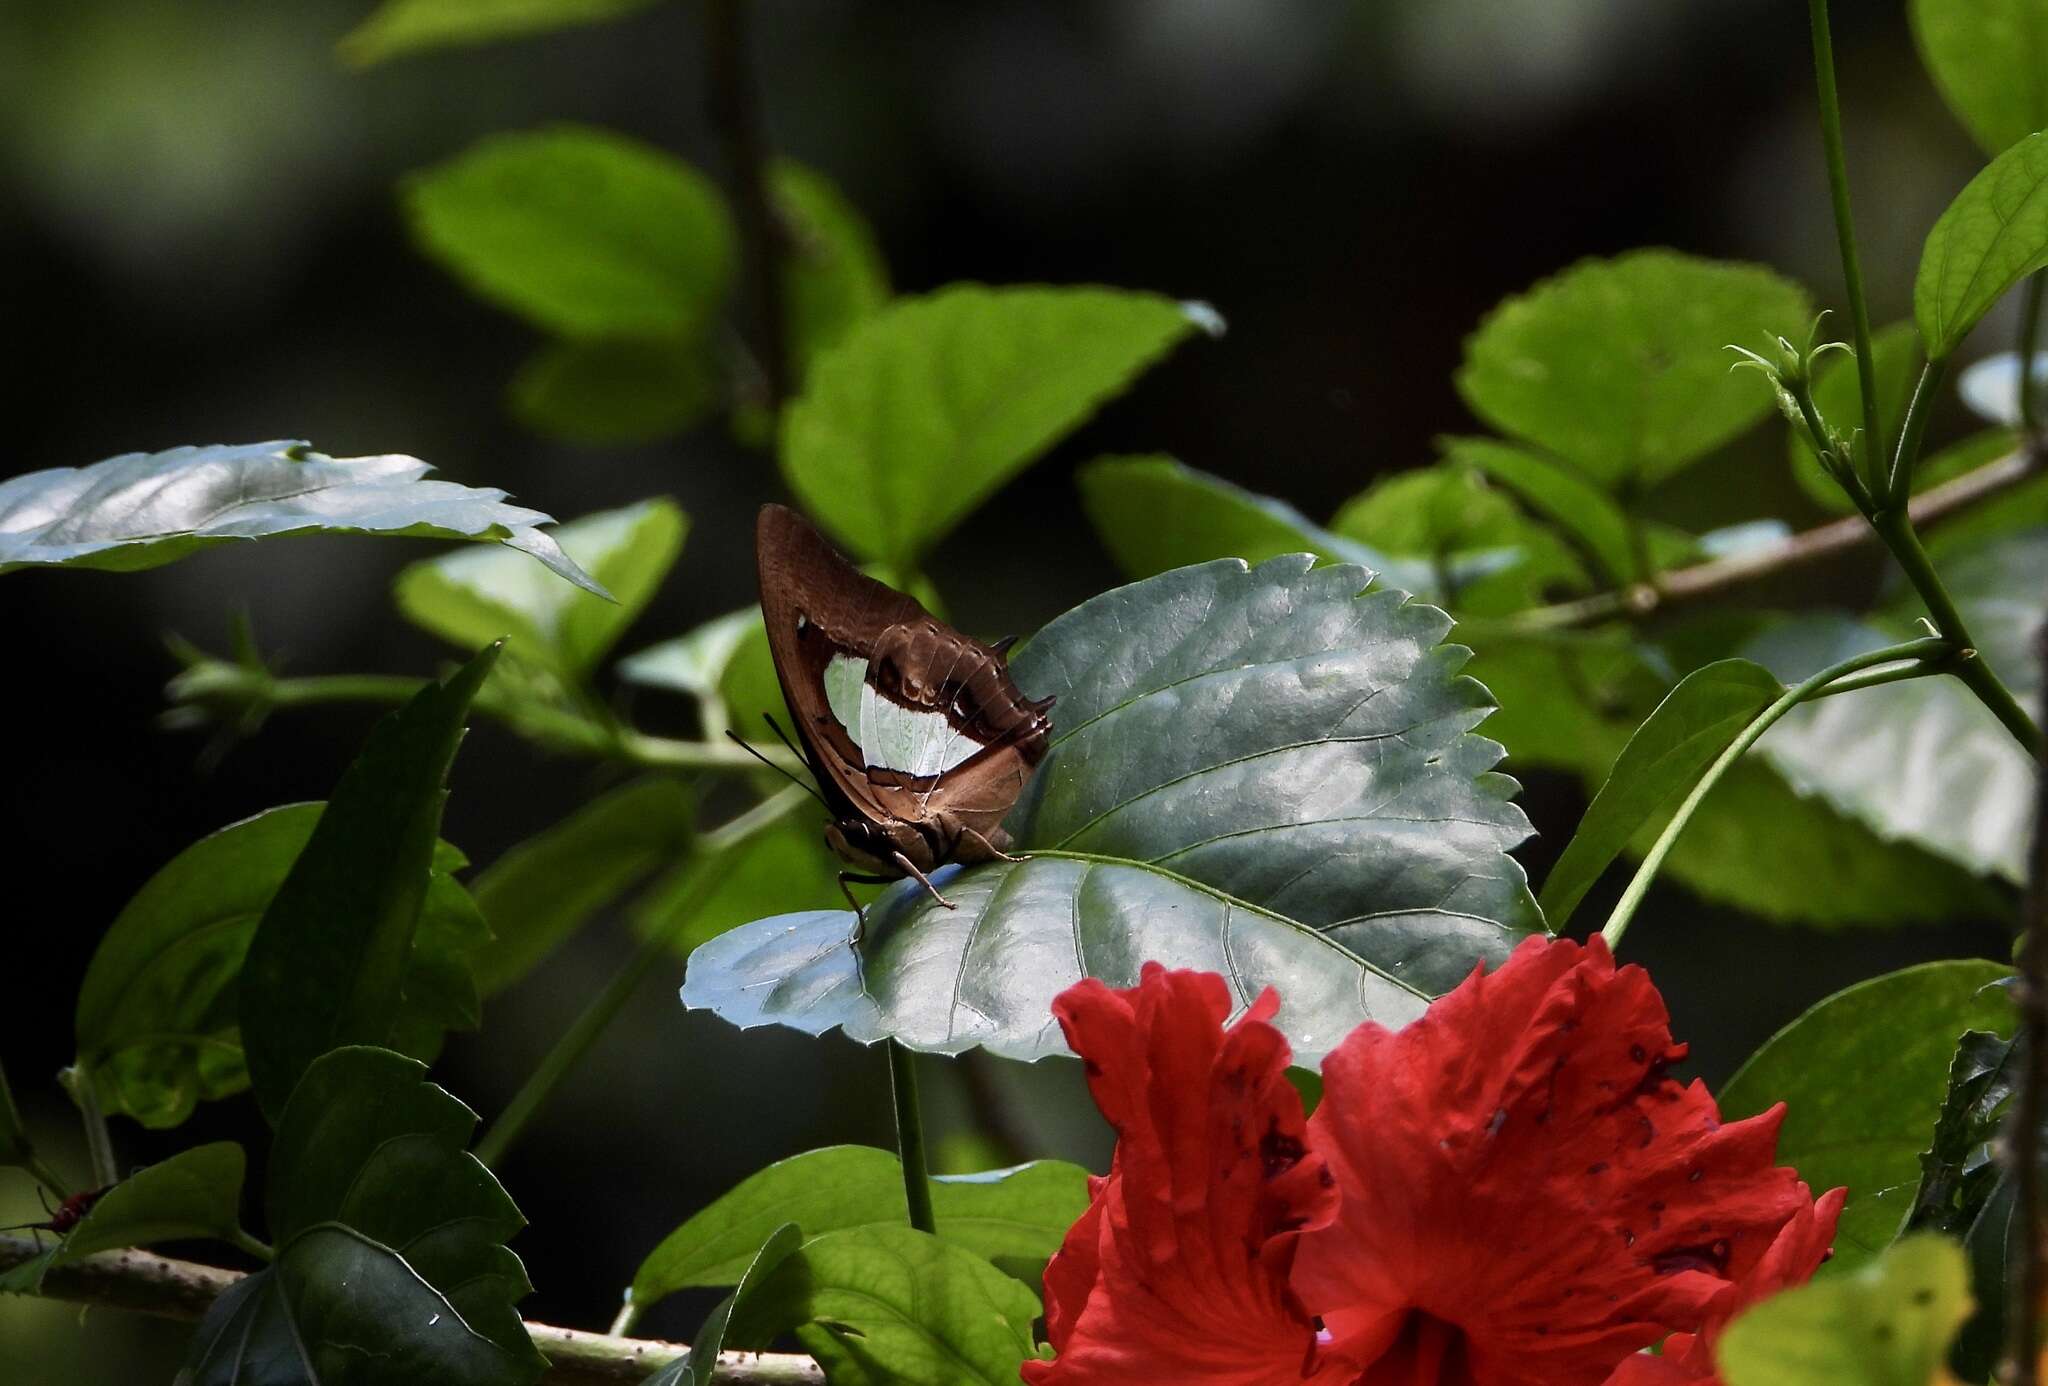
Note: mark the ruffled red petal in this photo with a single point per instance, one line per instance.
(1801, 1245)
(1179, 1269)
(1524, 1190)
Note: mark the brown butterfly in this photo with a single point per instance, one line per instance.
(918, 739)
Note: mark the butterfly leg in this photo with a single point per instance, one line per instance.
(860, 915)
(910, 869)
(998, 853)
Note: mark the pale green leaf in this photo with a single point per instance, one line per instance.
(584, 232)
(399, 28)
(1887, 1325)
(1561, 496)
(1990, 59)
(927, 406)
(1991, 237)
(699, 1367)
(1620, 367)
(833, 273)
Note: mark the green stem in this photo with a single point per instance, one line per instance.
(576, 1041)
(1845, 228)
(99, 1142)
(1899, 484)
(2030, 344)
(1899, 535)
(917, 1188)
(2022, 1131)
(259, 1249)
(1625, 909)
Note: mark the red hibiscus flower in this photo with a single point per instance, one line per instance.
(1688, 1359)
(1509, 1192)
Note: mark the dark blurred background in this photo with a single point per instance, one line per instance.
(201, 243)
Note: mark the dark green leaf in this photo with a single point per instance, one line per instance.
(403, 27)
(327, 964)
(608, 391)
(1022, 1213)
(879, 1306)
(156, 1022)
(1958, 1169)
(549, 886)
(141, 510)
(1560, 496)
(1986, 56)
(582, 231)
(1923, 761)
(1991, 237)
(697, 1368)
(928, 405)
(1154, 514)
(1260, 772)
(391, 1264)
(833, 275)
(1620, 367)
(1838, 395)
(1662, 762)
(1863, 1076)
(472, 604)
(195, 1193)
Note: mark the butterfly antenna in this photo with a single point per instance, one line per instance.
(802, 784)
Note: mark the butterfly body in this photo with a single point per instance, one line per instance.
(918, 739)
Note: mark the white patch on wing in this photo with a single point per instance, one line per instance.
(845, 677)
(894, 737)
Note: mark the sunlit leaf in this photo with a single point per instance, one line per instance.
(584, 232)
(881, 1305)
(140, 510)
(1662, 762)
(1259, 772)
(1887, 1325)
(1863, 1076)
(1022, 1213)
(473, 603)
(391, 1264)
(833, 274)
(607, 391)
(1620, 367)
(1991, 237)
(156, 1022)
(540, 892)
(928, 405)
(692, 663)
(327, 964)
(1985, 55)
(1561, 496)
(402, 27)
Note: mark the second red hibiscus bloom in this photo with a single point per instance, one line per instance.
(1509, 1192)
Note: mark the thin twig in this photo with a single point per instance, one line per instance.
(1685, 585)
(2024, 1140)
(736, 113)
(146, 1283)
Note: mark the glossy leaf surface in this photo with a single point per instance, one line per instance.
(1991, 237)
(141, 510)
(156, 1021)
(584, 232)
(471, 603)
(391, 1261)
(327, 964)
(1661, 763)
(1022, 1212)
(1887, 1325)
(925, 407)
(399, 28)
(1620, 367)
(1261, 772)
(880, 1305)
(1863, 1076)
